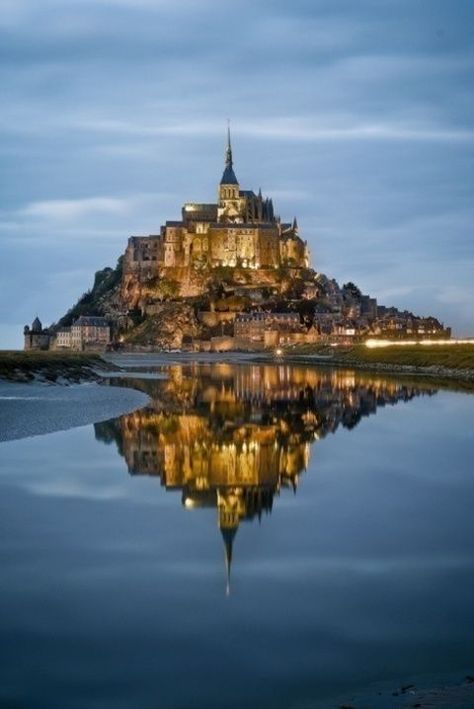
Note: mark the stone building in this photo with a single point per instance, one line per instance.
(36, 337)
(253, 326)
(63, 338)
(240, 231)
(90, 333)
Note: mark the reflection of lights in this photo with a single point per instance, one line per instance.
(402, 343)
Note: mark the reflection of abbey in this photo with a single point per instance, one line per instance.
(240, 231)
(232, 437)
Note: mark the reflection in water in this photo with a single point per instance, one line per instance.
(231, 436)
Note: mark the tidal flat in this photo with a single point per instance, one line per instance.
(36, 409)
(248, 534)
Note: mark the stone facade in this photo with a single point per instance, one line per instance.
(254, 326)
(63, 340)
(36, 337)
(240, 231)
(90, 333)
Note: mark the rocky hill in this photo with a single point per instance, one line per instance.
(104, 298)
(151, 312)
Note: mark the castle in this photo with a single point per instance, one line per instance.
(240, 231)
(229, 276)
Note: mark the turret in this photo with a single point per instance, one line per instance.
(259, 205)
(270, 209)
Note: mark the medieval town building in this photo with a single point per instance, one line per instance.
(86, 333)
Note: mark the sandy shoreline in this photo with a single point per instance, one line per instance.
(35, 409)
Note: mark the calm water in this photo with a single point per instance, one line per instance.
(260, 536)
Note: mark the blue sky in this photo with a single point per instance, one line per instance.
(357, 117)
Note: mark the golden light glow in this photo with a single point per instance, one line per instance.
(232, 437)
(372, 343)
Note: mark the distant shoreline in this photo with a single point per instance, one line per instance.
(453, 365)
(442, 362)
(453, 376)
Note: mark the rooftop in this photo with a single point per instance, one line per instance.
(91, 321)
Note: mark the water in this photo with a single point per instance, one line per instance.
(260, 536)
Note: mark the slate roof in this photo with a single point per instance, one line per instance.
(36, 325)
(228, 176)
(245, 317)
(91, 321)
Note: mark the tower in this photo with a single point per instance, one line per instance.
(229, 202)
(36, 338)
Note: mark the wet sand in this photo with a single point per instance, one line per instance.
(35, 409)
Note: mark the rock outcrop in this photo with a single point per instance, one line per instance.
(165, 327)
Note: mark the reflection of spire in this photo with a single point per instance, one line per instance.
(228, 535)
(231, 508)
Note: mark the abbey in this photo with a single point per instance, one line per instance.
(240, 231)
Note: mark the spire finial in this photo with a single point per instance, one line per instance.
(228, 150)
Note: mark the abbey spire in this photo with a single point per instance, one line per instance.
(228, 177)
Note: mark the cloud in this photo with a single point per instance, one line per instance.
(356, 117)
(288, 128)
(82, 216)
(66, 209)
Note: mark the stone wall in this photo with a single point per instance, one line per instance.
(222, 344)
(213, 318)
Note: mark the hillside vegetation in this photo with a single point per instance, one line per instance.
(97, 300)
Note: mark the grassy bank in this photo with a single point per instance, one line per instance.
(51, 366)
(449, 362)
(455, 357)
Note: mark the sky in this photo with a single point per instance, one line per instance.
(356, 117)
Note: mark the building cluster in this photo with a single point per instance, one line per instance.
(345, 314)
(269, 329)
(392, 324)
(339, 316)
(85, 333)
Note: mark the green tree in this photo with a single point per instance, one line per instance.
(352, 290)
(167, 289)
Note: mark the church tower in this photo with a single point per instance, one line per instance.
(229, 207)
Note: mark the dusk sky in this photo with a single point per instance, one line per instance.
(357, 117)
